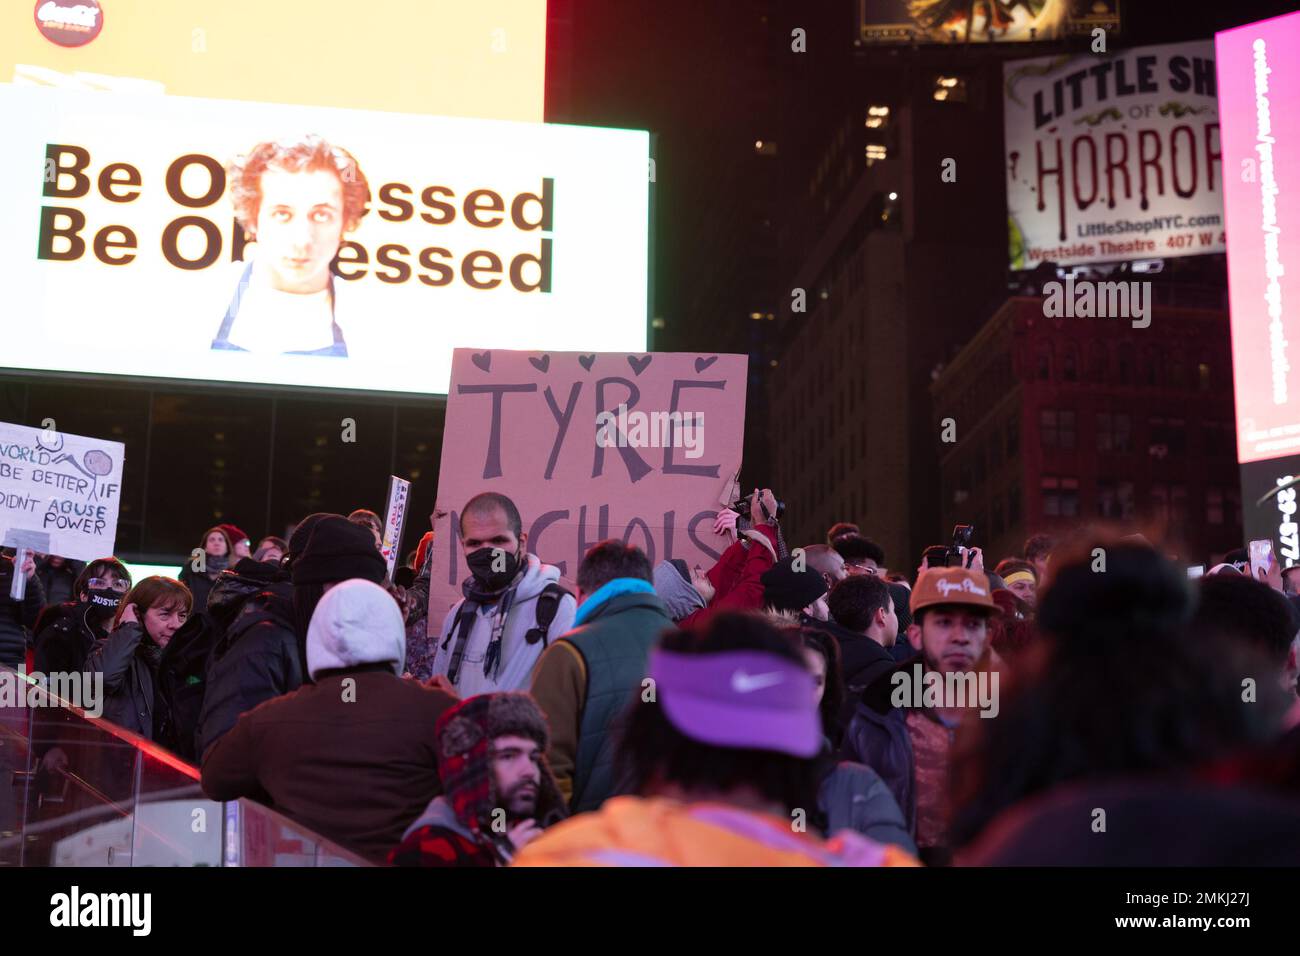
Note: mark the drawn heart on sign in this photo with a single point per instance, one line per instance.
(541, 364)
(702, 363)
(586, 361)
(639, 364)
(483, 360)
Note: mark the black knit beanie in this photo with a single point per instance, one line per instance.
(302, 532)
(902, 606)
(336, 551)
(786, 589)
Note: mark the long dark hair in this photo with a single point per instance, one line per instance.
(653, 750)
(832, 703)
(305, 599)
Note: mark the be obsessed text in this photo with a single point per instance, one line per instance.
(65, 237)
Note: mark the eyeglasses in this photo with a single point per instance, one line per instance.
(118, 585)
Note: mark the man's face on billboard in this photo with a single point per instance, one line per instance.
(299, 227)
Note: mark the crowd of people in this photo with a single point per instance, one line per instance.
(1083, 701)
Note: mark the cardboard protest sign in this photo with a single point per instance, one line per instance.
(641, 447)
(59, 493)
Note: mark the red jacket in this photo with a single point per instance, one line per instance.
(736, 577)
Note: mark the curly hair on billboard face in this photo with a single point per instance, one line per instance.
(307, 153)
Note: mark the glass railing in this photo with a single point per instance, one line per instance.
(77, 790)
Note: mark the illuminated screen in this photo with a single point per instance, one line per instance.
(215, 240)
(1259, 85)
(1113, 160)
(443, 57)
(141, 571)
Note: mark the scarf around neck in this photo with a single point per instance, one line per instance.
(610, 589)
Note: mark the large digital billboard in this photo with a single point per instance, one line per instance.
(984, 21)
(1259, 86)
(228, 241)
(1113, 157)
(445, 57)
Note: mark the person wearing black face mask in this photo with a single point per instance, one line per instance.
(67, 633)
(492, 568)
(513, 605)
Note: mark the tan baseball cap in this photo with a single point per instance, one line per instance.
(952, 586)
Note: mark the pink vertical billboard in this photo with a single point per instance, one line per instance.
(1259, 87)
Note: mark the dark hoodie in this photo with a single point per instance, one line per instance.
(257, 656)
(863, 662)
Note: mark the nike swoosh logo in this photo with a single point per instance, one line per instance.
(743, 683)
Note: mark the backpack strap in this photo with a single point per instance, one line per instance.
(461, 625)
(548, 603)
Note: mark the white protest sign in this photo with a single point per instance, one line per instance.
(59, 493)
(399, 493)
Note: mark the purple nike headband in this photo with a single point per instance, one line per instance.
(744, 699)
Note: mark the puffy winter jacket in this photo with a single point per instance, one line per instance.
(655, 831)
(257, 658)
(129, 662)
(65, 639)
(583, 684)
(877, 736)
(852, 796)
(737, 577)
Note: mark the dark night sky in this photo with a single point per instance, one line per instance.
(707, 76)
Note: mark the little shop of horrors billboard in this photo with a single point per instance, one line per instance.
(1113, 156)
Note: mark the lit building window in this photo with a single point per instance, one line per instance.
(877, 117)
(876, 152)
(950, 89)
